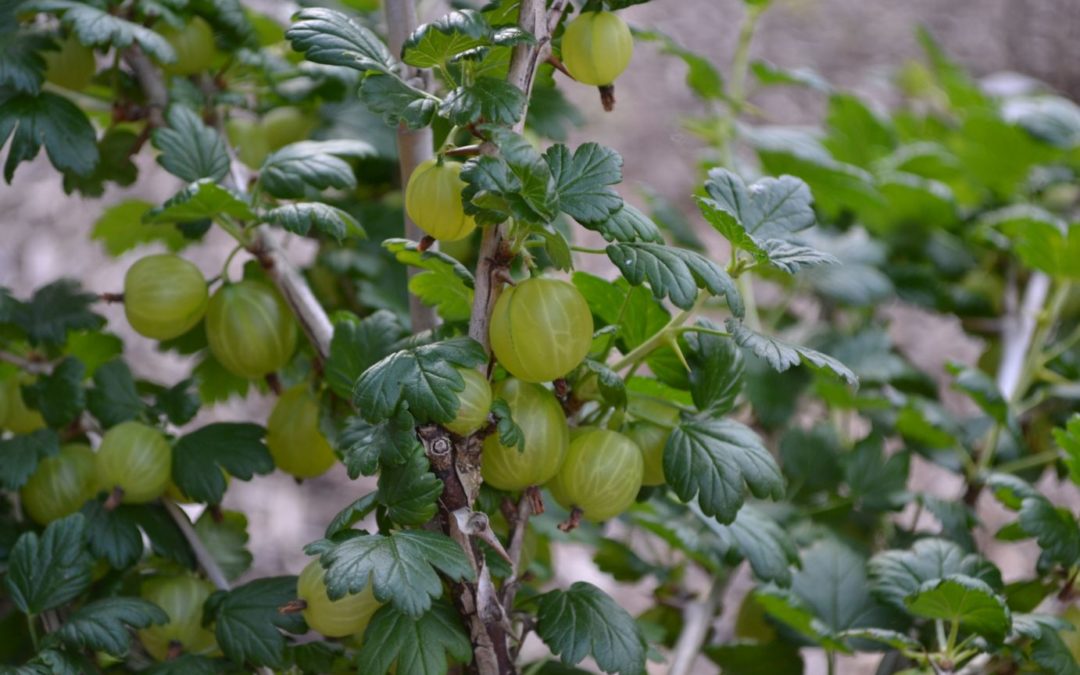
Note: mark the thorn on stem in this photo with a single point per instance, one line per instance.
(571, 523)
(425, 243)
(558, 65)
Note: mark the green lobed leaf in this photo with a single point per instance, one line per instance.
(328, 220)
(627, 224)
(584, 621)
(114, 399)
(190, 150)
(99, 28)
(892, 638)
(120, 229)
(225, 536)
(20, 454)
(178, 402)
(22, 68)
(400, 566)
(351, 514)
(49, 570)
(759, 540)
(418, 646)
(409, 490)
(397, 101)
(424, 378)
(719, 461)
(510, 434)
(487, 99)
(332, 38)
(716, 370)
(190, 664)
(674, 273)
(104, 625)
(1055, 528)
(199, 458)
(247, 620)
(789, 609)
(357, 345)
(365, 446)
(60, 395)
(114, 535)
(963, 599)
(517, 183)
(437, 42)
(583, 180)
(445, 283)
(897, 574)
(771, 208)
(52, 120)
(217, 384)
(203, 199)
(115, 149)
(782, 355)
(289, 172)
(746, 657)
(1041, 239)
(876, 481)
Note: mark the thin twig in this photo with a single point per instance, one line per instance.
(29, 365)
(202, 554)
(1019, 328)
(414, 145)
(697, 617)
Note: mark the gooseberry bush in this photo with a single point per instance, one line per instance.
(692, 415)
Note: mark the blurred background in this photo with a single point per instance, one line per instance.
(856, 44)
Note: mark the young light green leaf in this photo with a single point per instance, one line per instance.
(224, 534)
(1068, 439)
(445, 283)
(332, 38)
(771, 208)
(318, 165)
(121, 228)
(299, 218)
(247, 620)
(897, 574)
(20, 454)
(200, 457)
(400, 566)
(892, 638)
(52, 120)
(203, 199)
(53, 311)
(784, 355)
(674, 273)
(424, 378)
(418, 646)
(190, 150)
(963, 599)
(1042, 240)
(583, 180)
(719, 461)
(114, 399)
(584, 621)
(769, 74)
(49, 570)
(487, 99)
(104, 625)
(409, 490)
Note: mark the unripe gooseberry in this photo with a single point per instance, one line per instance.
(433, 200)
(19, 419)
(60, 484)
(601, 475)
(541, 329)
(182, 598)
(348, 615)
(285, 125)
(250, 330)
(652, 439)
(597, 47)
(164, 296)
(72, 66)
(135, 458)
(475, 402)
(293, 436)
(249, 140)
(538, 413)
(194, 47)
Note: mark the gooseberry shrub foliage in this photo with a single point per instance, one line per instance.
(663, 396)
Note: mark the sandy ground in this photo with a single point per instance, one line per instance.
(856, 43)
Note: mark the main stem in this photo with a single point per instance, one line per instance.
(414, 146)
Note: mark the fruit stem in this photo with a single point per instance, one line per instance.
(293, 606)
(31, 625)
(114, 498)
(572, 522)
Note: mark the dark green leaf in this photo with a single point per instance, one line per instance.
(892, 638)
(334, 39)
(716, 370)
(1068, 439)
(22, 69)
(771, 208)
(103, 625)
(758, 539)
(190, 150)
(510, 434)
(217, 384)
(115, 150)
(419, 646)
(247, 620)
(202, 200)
(318, 165)
(49, 570)
(833, 584)
(1053, 655)
(897, 574)
(517, 183)
(584, 621)
(363, 446)
(877, 482)
(178, 403)
(791, 610)
(326, 219)
(59, 395)
(488, 99)
(627, 224)
(397, 101)
(225, 536)
(352, 513)
(189, 664)
(425, 378)
(963, 599)
(811, 457)
(784, 355)
(30, 121)
(755, 658)
(100, 28)
(409, 490)
(1055, 528)
(357, 345)
(114, 399)
(20, 454)
(612, 388)
(719, 461)
(674, 273)
(200, 456)
(583, 181)
(437, 42)
(445, 283)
